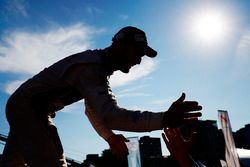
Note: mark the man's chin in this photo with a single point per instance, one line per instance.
(125, 70)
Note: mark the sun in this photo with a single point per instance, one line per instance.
(209, 26)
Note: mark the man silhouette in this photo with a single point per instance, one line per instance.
(33, 138)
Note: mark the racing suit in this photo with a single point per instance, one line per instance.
(33, 137)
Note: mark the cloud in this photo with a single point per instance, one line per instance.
(27, 53)
(147, 66)
(17, 7)
(93, 10)
(163, 101)
(242, 59)
(132, 91)
(243, 50)
(13, 9)
(12, 86)
(123, 17)
(135, 94)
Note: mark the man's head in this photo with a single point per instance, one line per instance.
(134, 36)
(131, 45)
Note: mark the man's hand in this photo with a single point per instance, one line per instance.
(178, 146)
(175, 143)
(181, 112)
(118, 146)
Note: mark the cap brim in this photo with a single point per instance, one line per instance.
(150, 52)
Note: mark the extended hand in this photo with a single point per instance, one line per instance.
(118, 146)
(181, 112)
(175, 142)
(178, 147)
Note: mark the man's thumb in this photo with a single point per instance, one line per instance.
(182, 98)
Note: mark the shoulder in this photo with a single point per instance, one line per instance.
(88, 74)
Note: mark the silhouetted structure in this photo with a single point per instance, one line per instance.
(242, 137)
(209, 148)
(73, 163)
(106, 160)
(150, 147)
(150, 151)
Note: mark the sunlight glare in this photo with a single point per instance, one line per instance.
(209, 26)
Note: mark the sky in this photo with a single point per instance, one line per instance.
(203, 50)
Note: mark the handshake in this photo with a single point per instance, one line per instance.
(180, 113)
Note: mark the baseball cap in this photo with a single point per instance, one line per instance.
(135, 36)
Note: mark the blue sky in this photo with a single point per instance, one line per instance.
(203, 50)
